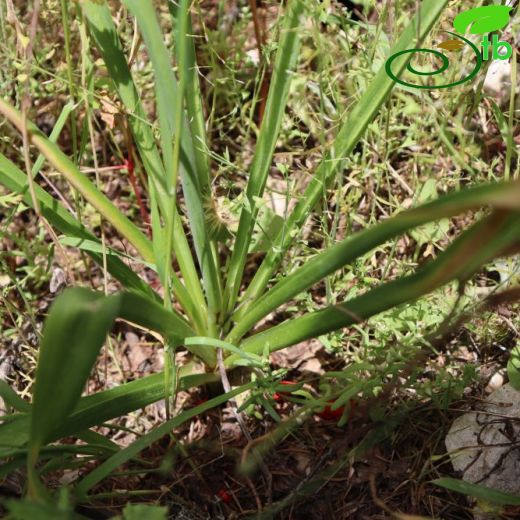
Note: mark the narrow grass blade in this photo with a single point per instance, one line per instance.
(285, 63)
(352, 130)
(151, 315)
(506, 196)
(103, 31)
(116, 402)
(477, 491)
(166, 85)
(194, 105)
(104, 470)
(56, 131)
(94, 246)
(198, 341)
(70, 171)
(11, 398)
(476, 246)
(51, 455)
(197, 125)
(16, 181)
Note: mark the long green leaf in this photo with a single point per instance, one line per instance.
(71, 172)
(169, 323)
(169, 99)
(187, 59)
(151, 315)
(478, 491)
(11, 398)
(100, 407)
(110, 404)
(285, 63)
(28, 510)
(506, 195)
(479, 244)
(351, 132)
(105, 37)
(194, 105)
(134, 449)
(73, 334)
(16, 181)
(104, 33)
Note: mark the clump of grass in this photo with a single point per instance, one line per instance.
(206, 305)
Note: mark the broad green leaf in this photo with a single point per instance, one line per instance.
(484, 19)
(481, 243)
(14, 433)
(513, 367)
(501, 196)
(11, 398)
(27, 510)
(478, 491)
(73, 334)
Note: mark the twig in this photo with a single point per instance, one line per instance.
(260, 35)
(379, 503)
(227, 388)
(232, 402)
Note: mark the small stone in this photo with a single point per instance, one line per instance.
(58, 280)
(498, 79)
(495, 382)
(481, 443)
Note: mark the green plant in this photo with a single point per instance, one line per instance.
(483, 493)
(217, 311)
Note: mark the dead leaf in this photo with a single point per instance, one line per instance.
(108, 110)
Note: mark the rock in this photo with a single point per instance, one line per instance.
(498, 80)
(495, 382)
(483, 444)
(58, 280)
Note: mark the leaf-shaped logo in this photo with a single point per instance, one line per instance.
(451, 45)
(483, 19)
